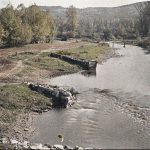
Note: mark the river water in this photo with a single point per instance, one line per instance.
(113, 107)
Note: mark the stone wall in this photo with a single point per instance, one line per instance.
(87, 65)
(60, 97)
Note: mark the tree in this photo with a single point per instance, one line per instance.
(23, 25)
(41, 23)
(146, 19)
(16, 33)
(60, 25)
(107, 34)
(143, 18)
(72, 19)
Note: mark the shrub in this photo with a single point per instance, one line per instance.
(144, 43)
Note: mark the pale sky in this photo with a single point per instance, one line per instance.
(66, 3)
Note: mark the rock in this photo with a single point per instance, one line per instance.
(45, 148)
(13, 142)
(36, 146)
(46, 110)
(78, 148)
(48, 145)
(39, 111)
(73, 91)
(4, 140)
(25, 144)
(66, 147)
(89, 148)
(59, 147)
(81, 148)
(26, 129)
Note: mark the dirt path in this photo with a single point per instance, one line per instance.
(9, 73)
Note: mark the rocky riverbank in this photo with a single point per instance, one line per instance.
(61, 98)
(6, 143)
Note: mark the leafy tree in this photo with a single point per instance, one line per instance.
(41, 22)
(16, 32)
(22, 25)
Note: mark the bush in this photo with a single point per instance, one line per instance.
(144, 43)
(64, 38)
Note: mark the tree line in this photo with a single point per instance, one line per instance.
(104, 29)
(25, 25)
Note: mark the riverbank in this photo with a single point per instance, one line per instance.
(17, 102)
(145, 43)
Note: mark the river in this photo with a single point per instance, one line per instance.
(113, 107)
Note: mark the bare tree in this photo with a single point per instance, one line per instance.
(142, 9)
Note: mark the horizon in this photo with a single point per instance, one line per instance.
(76, 3)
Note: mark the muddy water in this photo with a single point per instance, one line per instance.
(117, 117)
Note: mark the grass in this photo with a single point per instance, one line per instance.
(90, 51)
(4, 61)
(34, 60)
(5, 64)
(27, 70)
(15, 98)
(22, 55)
(44, 62)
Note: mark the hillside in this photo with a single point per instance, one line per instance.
(107, 13)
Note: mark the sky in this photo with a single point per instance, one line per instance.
(66, 3)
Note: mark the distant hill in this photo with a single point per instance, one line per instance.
(107, 13)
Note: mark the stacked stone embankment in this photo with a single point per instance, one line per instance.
(60, 97)
(85, 64)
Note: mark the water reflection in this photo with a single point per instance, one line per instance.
(89, 73)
